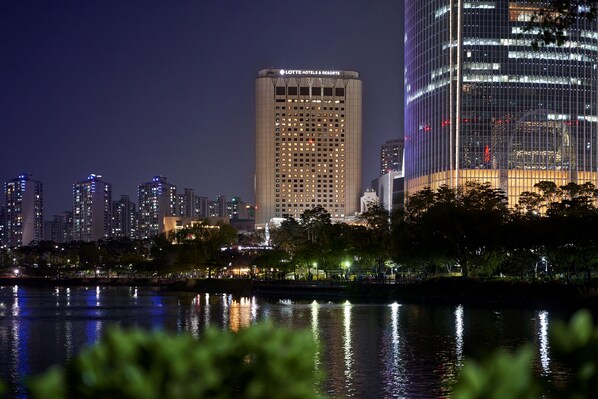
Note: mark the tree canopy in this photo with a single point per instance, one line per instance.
(551, 22)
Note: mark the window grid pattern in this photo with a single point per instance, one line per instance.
(308, 145)
(481, 104)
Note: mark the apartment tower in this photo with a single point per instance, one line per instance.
(92, 209)
(157, 199)
(23, 214)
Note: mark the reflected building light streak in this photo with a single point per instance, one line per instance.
(194, 316)
(68, 339)
(348, 349)
(206, 315)
(68, 297)
(240, 314)
(315, 329)
(287, 308)
(21, 331)
(226, 301)
(459, 335)
(394, 315)
(15, 347)
(98, 295)
(253, 309)
(196, 301)
(544, 345)
(397, 370)
(235, 316)
(15, 305)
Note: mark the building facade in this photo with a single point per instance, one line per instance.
(124, 218)
(60, 228)
(391, 156)
(157, 199)
(23, 213)
(482, 105)
(186, 204)
(92, 209)
(202, 207)
(308, 143)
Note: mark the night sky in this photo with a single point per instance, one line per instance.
(133, 89)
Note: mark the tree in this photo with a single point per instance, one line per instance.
(377, 235)
(462, 226)
(563, 225)
(315, 221)
(551, 22)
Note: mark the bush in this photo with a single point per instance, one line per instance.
(258, 362)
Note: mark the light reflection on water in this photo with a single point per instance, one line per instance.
(365, 350)
(348, 350)
(459, 335)
(544, 346)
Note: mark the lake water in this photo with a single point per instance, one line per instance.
(388, 350)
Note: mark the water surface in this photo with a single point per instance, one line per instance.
(388, 350)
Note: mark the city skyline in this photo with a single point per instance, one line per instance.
(130, 91)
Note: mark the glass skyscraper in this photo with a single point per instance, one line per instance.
(482, 105)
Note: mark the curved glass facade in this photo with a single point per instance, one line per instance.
(482, 104)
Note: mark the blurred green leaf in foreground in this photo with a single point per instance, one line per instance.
(257, 362)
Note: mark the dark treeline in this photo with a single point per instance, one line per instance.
(471, 231)
(549, 232)
(197, 249)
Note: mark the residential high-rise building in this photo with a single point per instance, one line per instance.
(60, 228)
(2, 226)
(69, 222)
(391, 156)
(124, 218)
(482, 105)
(92, 208)
(23, 218)
(236, 208)
(157, 199)
(202, 207)
(212, 208)
(221, 207)
(186, 203)
(308, 142)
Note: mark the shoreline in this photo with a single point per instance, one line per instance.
(434, 290)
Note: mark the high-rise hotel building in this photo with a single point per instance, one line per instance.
(23, 217)
(92, 209)
(308, 142)
(481, 104)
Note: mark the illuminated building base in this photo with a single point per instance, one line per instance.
(512, 182)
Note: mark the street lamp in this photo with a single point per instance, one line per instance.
(347, 266)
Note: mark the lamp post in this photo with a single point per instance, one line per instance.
(347, 266)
